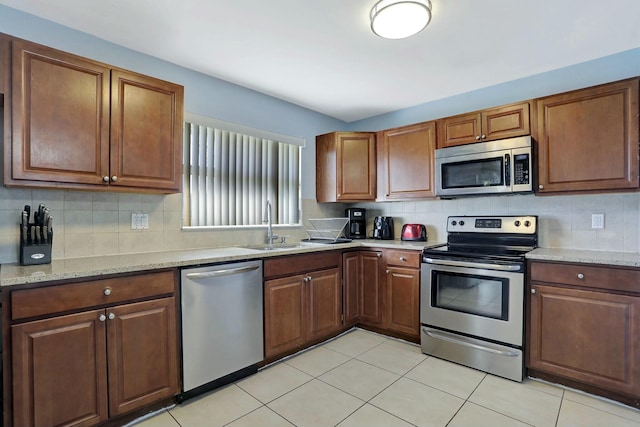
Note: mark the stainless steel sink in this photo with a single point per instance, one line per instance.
(276, 246)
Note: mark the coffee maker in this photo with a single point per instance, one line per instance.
(357, 225)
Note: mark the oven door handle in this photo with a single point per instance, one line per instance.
(452, 263)
(459, 340)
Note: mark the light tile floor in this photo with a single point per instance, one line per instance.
(365, 379)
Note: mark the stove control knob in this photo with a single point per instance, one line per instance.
(517, 223)
(454, 223)
(461, 223)
(527, 223)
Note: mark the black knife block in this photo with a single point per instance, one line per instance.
(33, 253)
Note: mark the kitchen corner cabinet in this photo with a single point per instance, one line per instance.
(346, 167)
(495, 123)
(95, 351)
(407, 162)
(584, 323)
(302, 301)
(78, 123)
(362, 272)
(588, 139)
(403, 292)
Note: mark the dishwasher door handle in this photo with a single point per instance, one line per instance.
(219, 273)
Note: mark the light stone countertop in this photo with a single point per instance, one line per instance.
(621, 259)
(70, 268)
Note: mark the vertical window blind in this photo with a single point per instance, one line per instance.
(229, 176)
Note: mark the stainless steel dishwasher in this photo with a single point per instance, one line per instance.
(222, 334)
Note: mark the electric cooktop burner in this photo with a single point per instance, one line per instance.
(495, 238)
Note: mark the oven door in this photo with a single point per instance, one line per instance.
(474, 299)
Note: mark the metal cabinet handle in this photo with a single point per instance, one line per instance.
(112, 316)
(114, 178)
(580, 276)
(379, 255)
(541, 187)
(402, 258)
(483, 136)
(105, 178)
(107, 291)
(533, 291)
(102, 318)
(478, 138)
(387, 271)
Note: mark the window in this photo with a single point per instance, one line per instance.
(230, 172)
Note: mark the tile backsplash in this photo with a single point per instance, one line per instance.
(93, 224)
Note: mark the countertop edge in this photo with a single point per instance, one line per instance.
(73, 268)
(610, 258)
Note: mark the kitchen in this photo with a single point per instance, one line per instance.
(93, 221)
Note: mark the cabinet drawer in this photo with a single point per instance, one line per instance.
(403, 258)
(617, 279)
(76, 296)
(298, 264)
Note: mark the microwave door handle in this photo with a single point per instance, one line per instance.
(507, 170)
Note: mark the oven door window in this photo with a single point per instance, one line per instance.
(474, 173)
(479, 295)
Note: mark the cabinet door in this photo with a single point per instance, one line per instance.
(587, 336)
(403, 299)
(142, 354)
(325, 303)
(60, 107)
(588, 139)
(284, 308)
(146, 132)
(371, 290)
(60, 371)
(506, 122)
(351, 287)
(408, 161)
(459, 130)
(356, 163)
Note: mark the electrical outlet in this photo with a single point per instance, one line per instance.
(139, 221)
(597, 221)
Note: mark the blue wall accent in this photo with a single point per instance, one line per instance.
(204, 95)
(216, 98)
(603, 70)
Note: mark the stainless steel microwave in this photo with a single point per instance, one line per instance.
(493, 167)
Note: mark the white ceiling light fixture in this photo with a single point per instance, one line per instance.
(398, 19)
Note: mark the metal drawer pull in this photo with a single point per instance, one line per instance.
(533, 291)
(219, 273)
(580, 276)
(456, 340)
(402, 258)
(112, 316)
(102, 318)
(453, 263)
(107, 291)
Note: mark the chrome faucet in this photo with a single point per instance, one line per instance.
(268, 219)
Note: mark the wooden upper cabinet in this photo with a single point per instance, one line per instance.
(146, 131)
(407, 161)
(588, 139)
(60, 108)
(78, 123)
(345, 167)
(495, 123)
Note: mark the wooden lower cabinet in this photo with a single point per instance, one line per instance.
(387, 283)
(90, 367)
(403, 300)
(60, 371)
(585, 334)
(301, 308)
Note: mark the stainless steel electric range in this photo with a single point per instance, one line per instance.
(472, 293)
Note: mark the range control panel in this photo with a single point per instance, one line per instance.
(527, 224)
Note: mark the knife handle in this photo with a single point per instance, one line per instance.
(45, 234)
(24, 234)
(33, 234)
(38, 235)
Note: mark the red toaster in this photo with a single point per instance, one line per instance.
(415, 232)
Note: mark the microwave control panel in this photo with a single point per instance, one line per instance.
(521, 173)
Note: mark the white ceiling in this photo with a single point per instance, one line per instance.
(322, 54)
